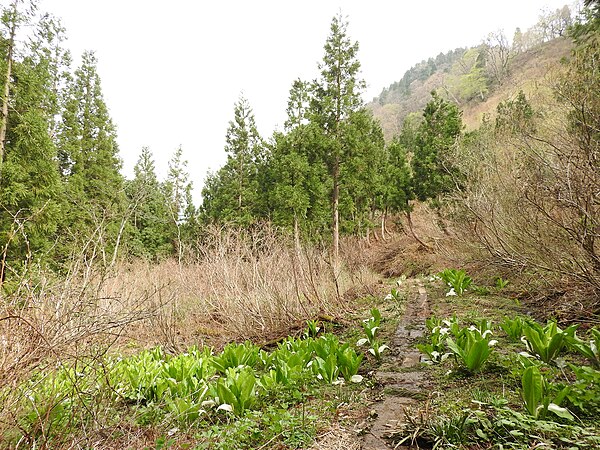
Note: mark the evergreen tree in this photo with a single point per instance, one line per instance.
(399, 178)
(336, 99)
(151, 235)
(362, 178)
(30, 185)
(177, 191)
(89, 162)
(441, 126)
(233, 193)
(297, 178)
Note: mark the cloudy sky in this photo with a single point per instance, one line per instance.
(172, 71)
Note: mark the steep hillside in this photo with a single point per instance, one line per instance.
(525, 70)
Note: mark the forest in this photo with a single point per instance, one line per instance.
(463, 202)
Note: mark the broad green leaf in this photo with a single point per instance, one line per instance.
(533, 389)
(560, 412)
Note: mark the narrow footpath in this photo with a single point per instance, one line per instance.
(402, 379)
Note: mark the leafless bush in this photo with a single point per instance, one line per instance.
(532, 195)
(243, 285)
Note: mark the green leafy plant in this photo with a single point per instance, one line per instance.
(349, 362)
(472, 346)
(433, 322)
(501, 283)
(326, 369)
(590, 348)
(513, 327)
(435, 348)
(395, 294)
(537, 396)
(237, 355)
(312, 328)
(236, 392)
(480, 290)
(186, 409)
(370, 327)
(458, 280)
(325, 345)
(548, 341)
(584, 392)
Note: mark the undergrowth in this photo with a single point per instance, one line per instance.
(505, 383)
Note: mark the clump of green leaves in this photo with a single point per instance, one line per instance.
(458, 280)
(312, 328)
(589, 349)
(513, 327)
(192, 387)
(472, 346)
(546, 342)
(501, 283)
(538, 398)
(236, 392)
(237, 355)
(370, 328)
(435, 347)
(584, 392)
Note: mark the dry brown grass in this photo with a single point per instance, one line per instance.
(337, 438)
(401, 254)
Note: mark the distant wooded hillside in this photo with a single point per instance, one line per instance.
(477, 79)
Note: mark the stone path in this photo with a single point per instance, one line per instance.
(402, 380)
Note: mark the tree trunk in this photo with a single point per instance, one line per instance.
(297, 246)
(336, 212)
(383, 217)
(412, 231)
(6, 93)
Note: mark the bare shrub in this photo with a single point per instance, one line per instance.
(46, 324)
(532, 194)
(242, 285)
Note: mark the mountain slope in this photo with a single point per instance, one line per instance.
(410, 95)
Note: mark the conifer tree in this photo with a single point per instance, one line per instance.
(30, 185)
(89, 162)
(362, 180)
(177, 191)
(151, 235)
(233, 193)
(441, 126)
(336, 99)
(297, 178)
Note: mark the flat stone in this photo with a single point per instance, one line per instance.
(390, 413)
(411, 359)
(417, 333)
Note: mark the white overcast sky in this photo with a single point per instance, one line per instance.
(172, 71)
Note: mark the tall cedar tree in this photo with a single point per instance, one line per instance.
(336, 99)
(297, 179)
(232, 194)
(441, 127)
(362, 174)
(89, 162)
(30, 185)
(177, 191)
(151, 223)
